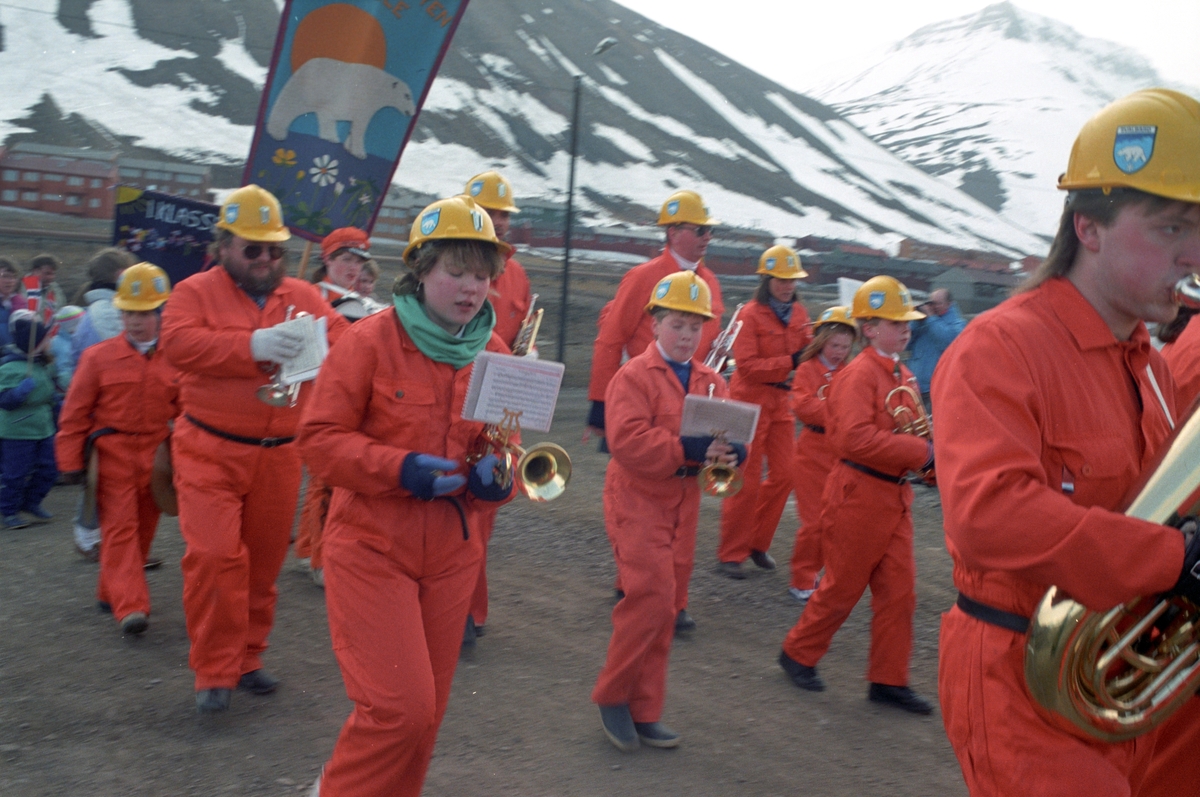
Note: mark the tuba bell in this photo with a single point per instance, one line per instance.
(1115, 675)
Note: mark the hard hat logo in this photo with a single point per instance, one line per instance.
(673, 207)
(905, 296)
(160, 284)
(264, 215)
(501, 190)
(661, 291)
(429, 221)
(231, 214)
(135, 288)
(1133, 147)
(876, 299)
(477, 220)
(476, 187)
(769, 265)
(694, 292)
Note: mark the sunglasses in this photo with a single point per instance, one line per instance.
(254, 251)
(701, 230)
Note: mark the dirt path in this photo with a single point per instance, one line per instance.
(83, 711)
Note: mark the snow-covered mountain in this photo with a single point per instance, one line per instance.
(991, 102)
(659, 112)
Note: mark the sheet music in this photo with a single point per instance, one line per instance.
(503, 382)
(704, 416)
(307, 364)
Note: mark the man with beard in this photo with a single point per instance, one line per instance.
(236, 473)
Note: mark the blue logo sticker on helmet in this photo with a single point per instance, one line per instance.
(905, 297)
(476, 187)
(501, 189)
(694, 292)
(264, 214)
(160, 284)
(769, 265)
(231, 213)
(663, 287)
(828, 314)
(672, 207)
(477, 220)
(876, 299)
(429, 221)
(135, 287)
(1133, 147)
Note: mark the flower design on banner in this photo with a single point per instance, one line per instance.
(284, 157)
(324, 170)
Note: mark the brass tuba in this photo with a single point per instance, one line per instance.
(911, 421)
(1117, 674)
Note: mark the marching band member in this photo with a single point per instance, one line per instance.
(773, 335)
(511, 300)
(402, 541)
(121, 399)
(651, 507)
(834, 333)
(236, 474)
(1049, 408)
(866, 523)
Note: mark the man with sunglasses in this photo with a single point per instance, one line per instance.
(236, 473)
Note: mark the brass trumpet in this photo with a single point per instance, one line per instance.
(275, 392)
(912, 420)
(718, 479)
(722, 345)
(542, 471)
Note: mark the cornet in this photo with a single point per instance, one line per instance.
(542, 471)
(718, 479)
(911, 420)
(275, 392)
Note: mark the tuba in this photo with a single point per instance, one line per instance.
(911, 420)
(722, 345)
(1117, 674)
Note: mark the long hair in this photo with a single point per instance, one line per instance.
(762, 294)
(822, 336)
(476, 256)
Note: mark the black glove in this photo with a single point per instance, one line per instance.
(1188, 584)
(596, 415)
(796, 358)
(482, 480)
(695, 449)
(427, 476)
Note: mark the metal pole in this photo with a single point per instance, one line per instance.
(566, 274)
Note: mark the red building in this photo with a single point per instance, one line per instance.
(75, 182)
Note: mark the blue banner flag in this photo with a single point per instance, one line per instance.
(346, 82)
(169, 231)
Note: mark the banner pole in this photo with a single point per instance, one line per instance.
(303, 268)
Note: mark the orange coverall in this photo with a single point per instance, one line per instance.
(650, 513)
(1044, 422)
(814, 459)
(866, 522)
(763, 352)
(398, 571)
(625, 326)
(1183, 357)
(114, 387)
(236, 499)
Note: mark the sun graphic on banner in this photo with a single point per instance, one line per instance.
(342, 32)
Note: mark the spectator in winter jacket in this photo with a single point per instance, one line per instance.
(103, 321)
(931, 337)
(27, 468)
(45, 267)
(9, 298)
(67, 318)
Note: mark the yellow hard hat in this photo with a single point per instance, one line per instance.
(682, 291)
(253, 213)
(781, 262)
(1149, 140)
(685, 207)
(457, 217)
(884, 297)
(492, 191)
(143, 286)
(838, 314)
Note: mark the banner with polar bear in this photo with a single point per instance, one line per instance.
(346, 83)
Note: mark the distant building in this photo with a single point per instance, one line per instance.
(399, 210)
(74, 182)
(177, 179)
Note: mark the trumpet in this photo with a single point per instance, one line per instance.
(528, 332)
(722, 345)
(912, 420)
(718, 479)
(542, 471)
(275, 392)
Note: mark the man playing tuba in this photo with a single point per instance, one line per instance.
(1049, 408)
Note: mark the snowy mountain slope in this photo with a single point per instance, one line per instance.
(991, 102)
(659, 112)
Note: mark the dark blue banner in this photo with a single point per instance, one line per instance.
(346, 83)
(169, 231)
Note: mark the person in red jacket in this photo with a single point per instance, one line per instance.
(774, 332)
(866, 523)
(511, 300)
(624, 327)
(651, 507)
(1049, 407)
(236, 473)
(403, 542)
(1182, 353)
(120, 402)
(834, 333)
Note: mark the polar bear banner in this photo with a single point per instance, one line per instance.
(338, 91)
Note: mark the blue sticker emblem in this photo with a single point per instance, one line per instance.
(662, 289)
(769, 265)
(694, 292)
(906, 297)
(672, 207)
(1133, 147)
(476, 187)
(477, 220)
(231, 213)
(429, 221)
(501, 189)
(160, 284)
(828, 314)
(876, 299)
(264, 214)
(135, 287)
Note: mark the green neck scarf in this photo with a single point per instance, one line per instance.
(436, 343)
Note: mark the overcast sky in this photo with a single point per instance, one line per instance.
(803, 44)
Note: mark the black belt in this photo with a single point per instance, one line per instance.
(263, 442)
(878, 474)
(688, 470)
(780, 385)
(992, 615)
(817, 429)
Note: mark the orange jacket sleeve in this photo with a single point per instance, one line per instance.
(810, 378)
(620, 321)
(75, 422)
(763, 349)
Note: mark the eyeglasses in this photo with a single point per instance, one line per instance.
(254, 251)
(701, 230)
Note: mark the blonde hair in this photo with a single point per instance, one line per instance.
(822, 336)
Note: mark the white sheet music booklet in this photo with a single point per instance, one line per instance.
(307, 364)
(502, 382)
(703, 416)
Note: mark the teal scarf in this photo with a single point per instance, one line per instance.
(436, 343)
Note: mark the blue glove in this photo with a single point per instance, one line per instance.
(596, 415)
(740, 450)
(695, 449)
(427, 476)
(482, 480)
(15, 396)
(24, 388)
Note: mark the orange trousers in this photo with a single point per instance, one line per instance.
(867, 540)
(749, 518)
(129, 519)
(479, 598)
(312, 521)
(654, 544)
(1175, 765)
(236, 507)
(396, 618)
(809, 472)
(1004, 745)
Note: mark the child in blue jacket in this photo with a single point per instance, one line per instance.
(27, 392)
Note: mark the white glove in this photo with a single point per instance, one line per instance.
(276, 344)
